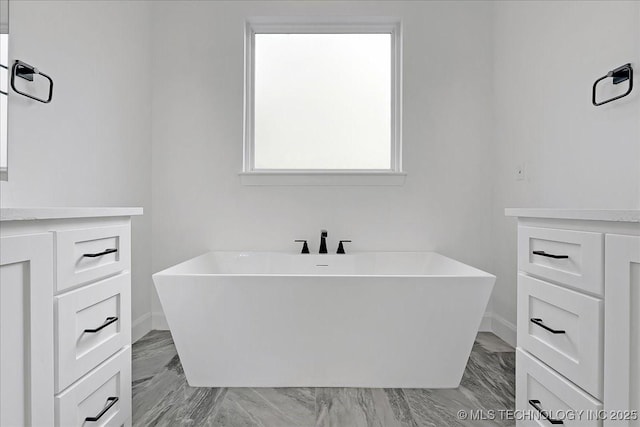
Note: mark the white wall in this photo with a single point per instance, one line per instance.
(487, 86)
(92, 145)
(198, 201)
(547, 56)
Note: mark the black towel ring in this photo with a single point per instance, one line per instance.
(619, 75)
(26, 71)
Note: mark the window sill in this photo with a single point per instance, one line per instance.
(305, 178)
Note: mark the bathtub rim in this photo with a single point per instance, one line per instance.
(471, 272)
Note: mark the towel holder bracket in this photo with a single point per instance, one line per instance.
(620, 74)
(25, 71)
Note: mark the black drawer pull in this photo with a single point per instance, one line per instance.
(543, 326)
(536, 405)
(110, 402)
(543, 253)
(105, 252)
(107, 322)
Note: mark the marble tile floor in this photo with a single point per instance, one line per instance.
(162, 397)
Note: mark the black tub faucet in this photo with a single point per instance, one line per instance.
(341, 247)
(305, 248)
(323, 242)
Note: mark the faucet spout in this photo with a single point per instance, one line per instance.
(323, 242)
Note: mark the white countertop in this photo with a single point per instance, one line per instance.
(23, 214)
(580, 214)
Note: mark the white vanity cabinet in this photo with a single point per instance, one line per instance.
(622, 326)
(26, 330)
(578, 329)
(65, 316)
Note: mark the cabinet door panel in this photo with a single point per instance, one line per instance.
(571, 258)
(79, 352)
(555, 395)
(87, 254)
(26, 330)
(622, 326)
(577, 352)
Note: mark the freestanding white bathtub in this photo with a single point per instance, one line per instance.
(378, 319)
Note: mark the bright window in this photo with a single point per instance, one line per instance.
(322, 97)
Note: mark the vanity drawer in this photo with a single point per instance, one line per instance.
(577, 352)
(538, 385)
(89, 254)
(93, 323)
(573, 258)
(106, 391)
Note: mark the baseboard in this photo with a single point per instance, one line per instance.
(504, 329)
(485, 323)
(159, 322)
(140, 327)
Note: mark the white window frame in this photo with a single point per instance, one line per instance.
(300, 25)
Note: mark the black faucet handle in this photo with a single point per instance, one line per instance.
(305, 248)
(341, 247)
